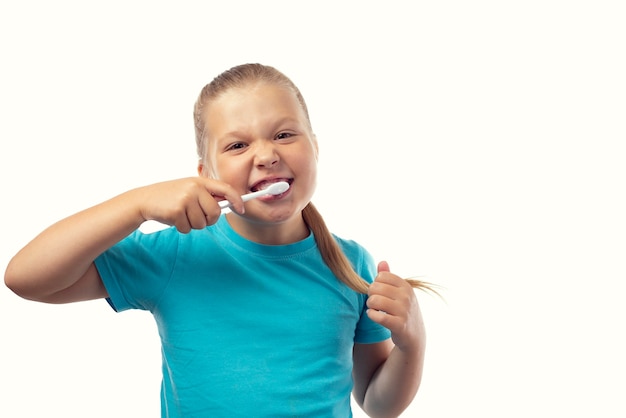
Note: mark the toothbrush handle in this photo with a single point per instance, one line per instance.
(226, 204)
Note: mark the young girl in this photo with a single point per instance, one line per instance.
(261, 312)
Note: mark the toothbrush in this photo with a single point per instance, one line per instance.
(273, 189)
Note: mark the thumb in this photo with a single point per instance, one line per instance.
(383, 266)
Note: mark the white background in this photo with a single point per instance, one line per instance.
(479, 144)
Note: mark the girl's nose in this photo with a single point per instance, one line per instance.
(266, 155)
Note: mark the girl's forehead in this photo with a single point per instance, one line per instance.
(240, 104)
(256, 91)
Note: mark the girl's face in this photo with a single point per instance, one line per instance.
(258, 135)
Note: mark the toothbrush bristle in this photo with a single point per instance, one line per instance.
(278, 188)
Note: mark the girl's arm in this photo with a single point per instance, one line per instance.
(387, 375)
(57, 266)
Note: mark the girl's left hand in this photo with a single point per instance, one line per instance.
(392, 303)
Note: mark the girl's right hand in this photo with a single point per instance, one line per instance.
(188, 203)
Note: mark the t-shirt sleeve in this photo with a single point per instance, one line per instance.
(136, 270)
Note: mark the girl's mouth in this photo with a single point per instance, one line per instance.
(264, 184)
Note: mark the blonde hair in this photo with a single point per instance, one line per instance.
(241, 76)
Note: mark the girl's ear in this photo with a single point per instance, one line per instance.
(202, 170)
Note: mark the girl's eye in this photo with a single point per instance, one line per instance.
(283, 135)
(236, 146)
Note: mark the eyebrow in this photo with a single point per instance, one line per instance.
(279, 122)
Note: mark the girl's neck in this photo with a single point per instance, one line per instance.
(287, 232)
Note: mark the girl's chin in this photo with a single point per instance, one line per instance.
(273, 215)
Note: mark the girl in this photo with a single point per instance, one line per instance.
(261, 312)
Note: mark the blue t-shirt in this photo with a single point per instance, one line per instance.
(247, 330)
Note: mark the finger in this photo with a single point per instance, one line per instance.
(385, 275)
(219, 189)
(385, 304)
(386, 320)
(381, 293)
(394, 300)
(196, 216)
(378, 302)
(182, 224)
(210, 209)
(377, 316)
(390, 279)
